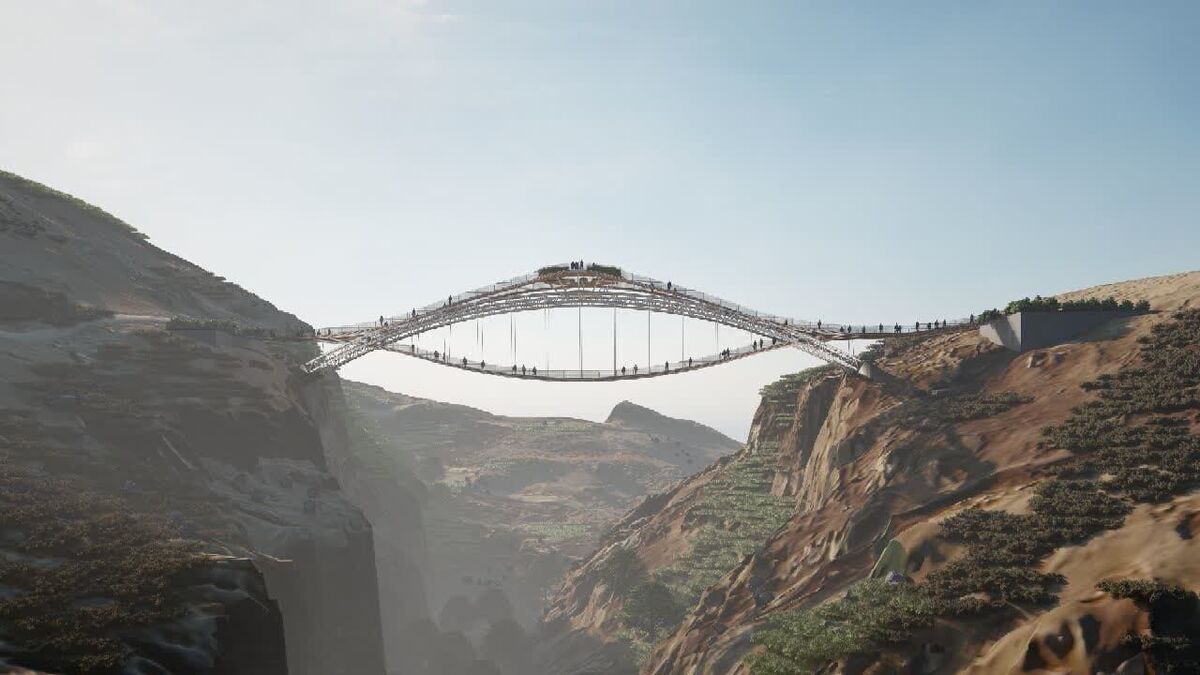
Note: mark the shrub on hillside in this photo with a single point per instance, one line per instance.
(651, 607)
(872, 615)
(1173, 643)
(622, 571)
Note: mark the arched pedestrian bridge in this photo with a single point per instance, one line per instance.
(576, 285)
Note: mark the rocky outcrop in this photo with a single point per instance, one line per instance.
(224, 441)
(866, 467)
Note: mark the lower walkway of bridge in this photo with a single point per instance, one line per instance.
(522, 371)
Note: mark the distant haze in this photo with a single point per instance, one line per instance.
(850, 162)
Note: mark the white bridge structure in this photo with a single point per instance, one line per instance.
(576, 285)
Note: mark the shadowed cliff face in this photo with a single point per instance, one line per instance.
(223, 449)
(842, 475)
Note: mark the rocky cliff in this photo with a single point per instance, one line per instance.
(214, 461)
(968, 510)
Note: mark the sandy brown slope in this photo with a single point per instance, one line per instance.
(863, 463)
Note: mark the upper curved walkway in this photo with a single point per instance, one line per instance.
(570, 286)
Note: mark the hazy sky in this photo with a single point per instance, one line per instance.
(847, 161)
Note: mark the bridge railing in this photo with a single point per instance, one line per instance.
(834, 329)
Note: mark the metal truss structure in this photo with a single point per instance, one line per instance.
(572, 286)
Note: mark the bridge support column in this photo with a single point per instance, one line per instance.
(866, 370)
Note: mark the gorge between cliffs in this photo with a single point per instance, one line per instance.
(178, 496)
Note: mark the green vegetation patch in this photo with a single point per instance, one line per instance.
(964, 407)
(737, 513)
(785, 389)
(650, 612)
(46, 191)
(551, 532)
(1052, 304)
(872, 615)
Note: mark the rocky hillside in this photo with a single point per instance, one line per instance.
(508, 502)
(970, 509)
(167, 504)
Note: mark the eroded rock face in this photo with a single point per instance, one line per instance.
(226, 441)
(233, 626)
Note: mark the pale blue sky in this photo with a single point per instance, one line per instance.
(848, 161)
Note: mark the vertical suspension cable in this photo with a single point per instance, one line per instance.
(545, 346)
(682, 340)
(614, 341)
(580, 334)
(649, 362)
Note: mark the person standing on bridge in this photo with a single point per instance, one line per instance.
(522, 369)
(689, 362)
(464, 361)
(667, 367)
(818, 324)
(435, 355)
(622, 370)
(880, 328)
(535, 371)
(635, 369)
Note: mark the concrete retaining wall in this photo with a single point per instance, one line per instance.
(1024, 331)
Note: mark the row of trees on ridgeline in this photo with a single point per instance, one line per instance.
(1052, 304)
